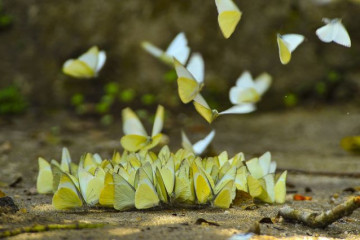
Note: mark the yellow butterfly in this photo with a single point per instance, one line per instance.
(136, 137)
(124, 193)
(64, 166)
(265, 189)
(191, 79)
(106, 197)
(184, 187)
(68, 195)
(210, 115)
(44, 183)
(145, 195)
(248, 90)
(259, 167)
(178, 49)
(287, 44)
(229, 16)
(87, 65)
(73, 193)
(203, 184)
(225, 196)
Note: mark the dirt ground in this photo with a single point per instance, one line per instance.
(302, 139)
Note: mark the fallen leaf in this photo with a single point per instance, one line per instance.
(201, 221)
(352, 189)
(242, 198)
(299, 197)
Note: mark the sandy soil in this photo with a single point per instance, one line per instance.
(305, 139)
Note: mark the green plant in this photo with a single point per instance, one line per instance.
(12, 101)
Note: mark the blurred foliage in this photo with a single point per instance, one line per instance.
(12, 101)
(5, 20)
(290, 100)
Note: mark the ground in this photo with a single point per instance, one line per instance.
(300, 139)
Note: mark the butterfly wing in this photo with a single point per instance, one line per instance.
(326, 33)
(188, 87)
(292, 41)
(178, 48)
(203, 109)
(159, 121)
(200, 146)
(124, 193)
(196, 67)
(342, 36)
(146, 195)
(262, 83)
(44, 183)
(101, 61)
(67, 196)
(240, 109)
(284, 51)
(107, 193)
(224, 198)
(131, 123)
(229, 16)
(280, 188)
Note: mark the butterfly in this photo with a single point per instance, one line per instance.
(334, 31)
(87, 65)
(74, 193)
(287, 44)
(44, 183)
(178, 49)
(106, 197)
(136, 137)
(259, 167)
(145, 195)
(190, 79)
(200, 146)
(248, 90)
(229, 16)
(266, 189)
(124, 193)
(203, 108)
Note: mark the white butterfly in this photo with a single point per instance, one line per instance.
(178, 49)
(334, 31)
(248, 90)
(287, 44)
(199, 147)
(87, 65)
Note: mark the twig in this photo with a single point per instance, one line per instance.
(49, 227)
(322, 219)
(321, 173)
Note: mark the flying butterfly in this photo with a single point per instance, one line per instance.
(136, 137)
(334, 31)
(229, 16)
(200, 146)
(87, 65)
(203, 108)
(287, 44)
(178, 49)
(248, 90)
(190, 79)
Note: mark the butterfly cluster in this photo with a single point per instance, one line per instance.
(145, 180)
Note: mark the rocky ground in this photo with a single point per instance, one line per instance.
(301, 139)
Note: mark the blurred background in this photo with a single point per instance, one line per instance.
(38, 36)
